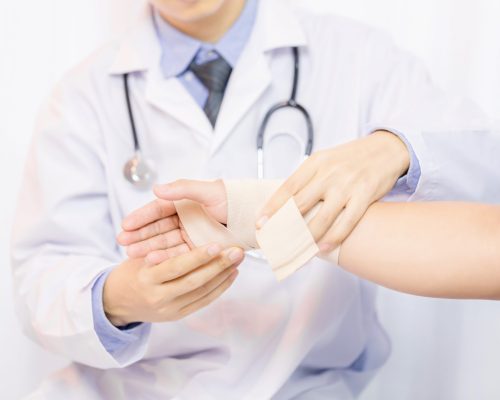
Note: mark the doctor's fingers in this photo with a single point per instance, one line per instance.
(186, 302)
(344, 224)
(310, 195)
(181, 265)
(178, 267)
(159, 242)
(289, 188)
(159, 256)
(204, 274)
(210, 297)
(161, 226)
(151, 212)
(327, 213)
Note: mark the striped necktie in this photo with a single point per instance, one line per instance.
(214, 75)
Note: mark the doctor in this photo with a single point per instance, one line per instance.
(201, 76)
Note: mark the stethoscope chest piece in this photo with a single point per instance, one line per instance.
(139, 173)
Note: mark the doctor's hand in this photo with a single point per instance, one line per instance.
(169, 291)
(348, 179)
(154, 231)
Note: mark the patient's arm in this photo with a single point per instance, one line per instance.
(203, 207)
(429, 249)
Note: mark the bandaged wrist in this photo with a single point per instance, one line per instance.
(285, 239)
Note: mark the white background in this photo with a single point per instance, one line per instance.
(442, 350)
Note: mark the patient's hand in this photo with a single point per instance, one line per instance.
(155, 232)
(212, 195)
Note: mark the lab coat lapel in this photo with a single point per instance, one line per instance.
(245, 87)
(140, 51)
(276, 27)
(170, 96)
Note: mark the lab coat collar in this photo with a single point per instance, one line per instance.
(276, 26)
(139, 49)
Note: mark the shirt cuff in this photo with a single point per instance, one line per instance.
(408, 183)
(115, 340)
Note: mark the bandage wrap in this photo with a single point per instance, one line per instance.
(285, 239)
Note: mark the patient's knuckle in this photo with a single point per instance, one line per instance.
(159, 227)
(158, 205)
(165, 239)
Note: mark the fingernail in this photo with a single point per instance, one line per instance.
(262, 221)
(235, 255)
(325, 247)
(213, 249)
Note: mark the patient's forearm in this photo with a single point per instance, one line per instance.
(429, 249)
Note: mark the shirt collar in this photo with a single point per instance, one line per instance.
(276, 26)
(179, 49)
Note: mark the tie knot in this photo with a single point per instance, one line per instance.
(214, 74)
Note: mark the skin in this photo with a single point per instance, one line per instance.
(348, 179)
(435, 249)
(171, 290)
(206, 20)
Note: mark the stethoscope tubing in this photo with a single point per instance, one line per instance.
(290, 103)
(135, 137)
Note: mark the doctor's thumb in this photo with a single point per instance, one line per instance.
(277, 201)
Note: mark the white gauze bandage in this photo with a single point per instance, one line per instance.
(285, 239)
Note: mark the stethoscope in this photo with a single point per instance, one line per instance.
(138, 170)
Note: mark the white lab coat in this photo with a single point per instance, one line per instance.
(261, 339)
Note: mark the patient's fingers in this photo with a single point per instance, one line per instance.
(151, 212)
(159, 242)
(126, 238)
(200, 191)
